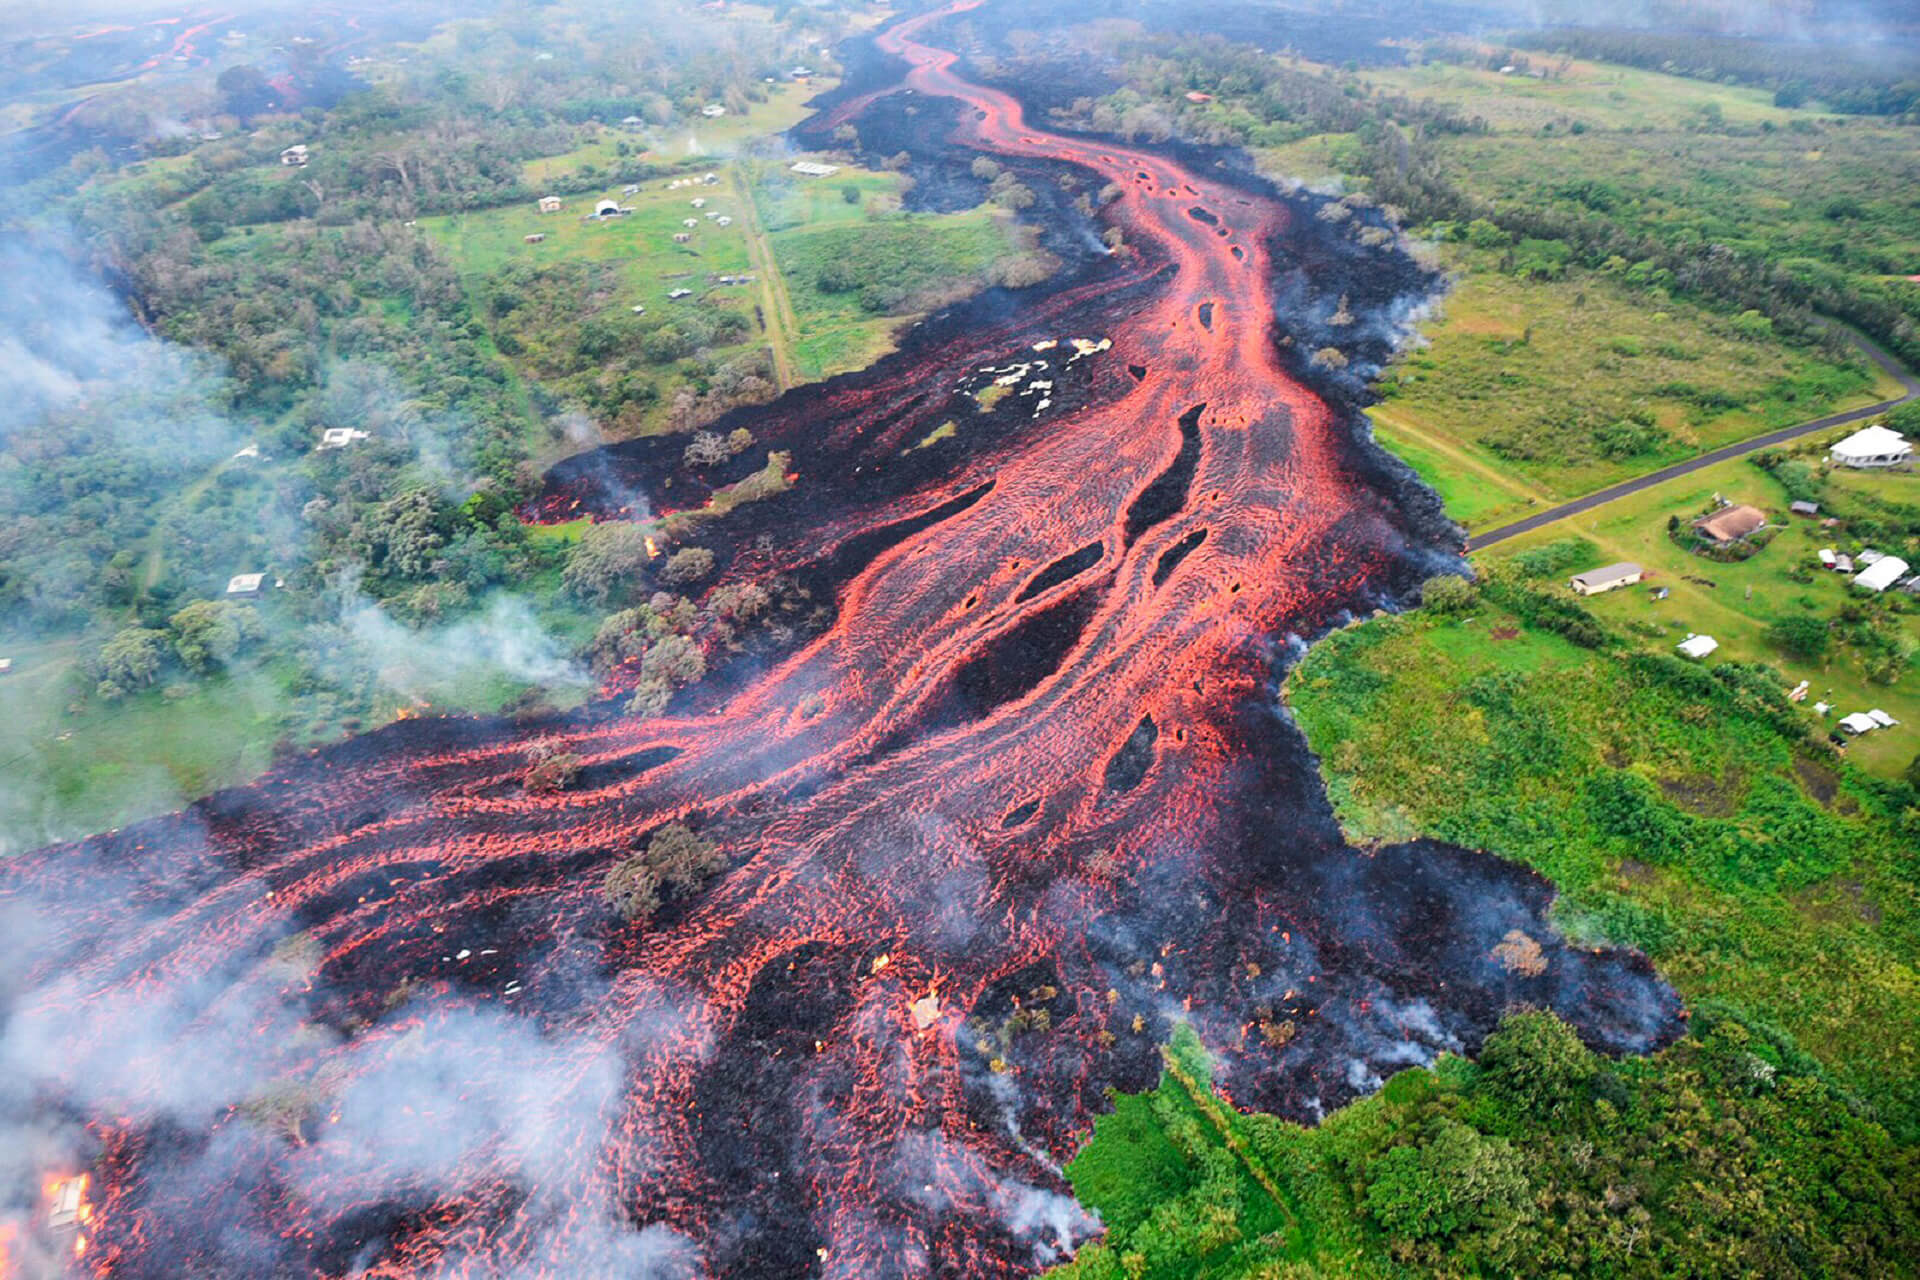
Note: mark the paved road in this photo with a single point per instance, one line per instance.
(1909, 386)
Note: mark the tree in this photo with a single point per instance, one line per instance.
(610, 560)
(1447, 593)
(1537, 1062)
(1801, 636)
(689, 564)
(633, 889)
(1452, 1182)
(682, 860)
(850, 193)
(706, 449)
(131, 659)
(552, 773)
(211, 633)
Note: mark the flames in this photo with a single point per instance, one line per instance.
(1020, 802)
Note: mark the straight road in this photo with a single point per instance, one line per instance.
(1910, 388)
(783, 328)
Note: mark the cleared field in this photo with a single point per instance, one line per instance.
(894, 265)
(1736, 603)
(1551, 388)
(688, 139)
(1597, 95)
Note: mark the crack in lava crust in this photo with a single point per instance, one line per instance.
(477, 1073)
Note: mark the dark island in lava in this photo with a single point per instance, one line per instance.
(1026, 800)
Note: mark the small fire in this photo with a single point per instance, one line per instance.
(653, 549)
(881, 961)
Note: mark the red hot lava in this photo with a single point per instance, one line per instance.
(1023, 803)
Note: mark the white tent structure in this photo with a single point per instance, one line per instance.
(1873, 446)
(1881, 574)
(1698, 646)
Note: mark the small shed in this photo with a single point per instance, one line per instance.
(631, 122)
(689, 222)
(607, 209)
(713, 111)
(1843, 563)
(1732, 524)
(631, 189)
(1881, 718)
(535, 238)
(677, 294)
(723, 221)
(681, 237)
(814, 169)
(1606, 578)
(1195, 96)
(698, 202)
(69, 1196)
(340, 437)
(1874, 446)
(549, 204)
(1826, 557)
(6, 665)
(1697, 646)
(1804, 508)
(1881, 574)
(295, 156)
(245, 586)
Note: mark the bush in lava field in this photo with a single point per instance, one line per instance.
(675, 859)
(689, 564)
(633, 889)
(609, 559)
(554, 773)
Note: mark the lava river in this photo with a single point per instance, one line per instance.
(1026, 800)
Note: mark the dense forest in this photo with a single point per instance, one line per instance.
(1726, 1154)
(1878, 80)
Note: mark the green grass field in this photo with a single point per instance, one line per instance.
(1519, 391)
(1745, 598)
(1595, 94)
(915, 255)
(1670, 812)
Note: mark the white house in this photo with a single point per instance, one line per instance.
(1606, 578)
(1697, 646)
(549, 204)
(242, 586)
(340, 437)
(295, 156)
(1881, 574)
(814, 169)
(1873, 446)
(713, 111)
(1859, 722)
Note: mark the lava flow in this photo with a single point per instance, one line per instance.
(1024, 802)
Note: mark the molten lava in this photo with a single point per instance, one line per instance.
(1024, 800)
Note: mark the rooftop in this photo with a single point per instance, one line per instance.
(1730, 524)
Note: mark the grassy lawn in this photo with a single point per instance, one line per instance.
(687, 140)
(483, 242)
(1668, 807)
(1598, 95)
(1549, 389)
(911, 255)
(1735, 603)
(67, 775)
